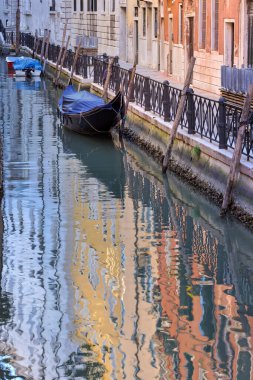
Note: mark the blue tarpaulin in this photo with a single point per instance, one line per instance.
(27, 63)
(73, 102)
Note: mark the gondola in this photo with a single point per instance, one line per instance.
(88, 114)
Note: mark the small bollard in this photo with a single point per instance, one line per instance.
(190, 113)
(222, 124)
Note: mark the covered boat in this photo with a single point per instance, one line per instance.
(10, 60)
(87, 113)
(27, 67)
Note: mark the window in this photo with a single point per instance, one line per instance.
(92, 6)
(180, 24)
(136, 12)
(74, 6)
(202, 24)
(215, 24)
(144, 22)
(112, 5)
(103, 5)
(155, 22)
(81, 5)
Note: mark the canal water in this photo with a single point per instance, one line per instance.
(109, 271)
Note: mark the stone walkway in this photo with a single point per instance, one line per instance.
(161, 77)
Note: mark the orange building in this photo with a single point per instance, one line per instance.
(216, 32)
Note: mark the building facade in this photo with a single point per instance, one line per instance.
(163, 34)
(216, 32)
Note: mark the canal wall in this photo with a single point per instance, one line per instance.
(201, 163)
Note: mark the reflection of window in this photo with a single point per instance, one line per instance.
(52, 8)
(202, 24)
(155, 22)
(81, 5)
(144, 22)
(92, 6)
(28, 5)
(6, 3)
(74, 6)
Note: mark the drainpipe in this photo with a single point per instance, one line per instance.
(159, 36)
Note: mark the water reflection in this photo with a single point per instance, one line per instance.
(109, 270)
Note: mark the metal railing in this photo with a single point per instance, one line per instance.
(214, 120)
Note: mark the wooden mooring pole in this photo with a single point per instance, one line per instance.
(130, 88)
(43, 46)
(46, 51)
(62, 62)
(74, 63)
(235, 163)
(108, 77)
(61, 49)
(180, 110)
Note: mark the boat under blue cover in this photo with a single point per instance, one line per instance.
(27, 64)
(87, 113)
(73, 102)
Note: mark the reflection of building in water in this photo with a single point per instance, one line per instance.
(114, 308)
(108, 283)
(35, 248)
(204, 331)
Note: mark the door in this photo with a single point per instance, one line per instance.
(149, 36)
(123, 35)
(229, 44)
(136, 39)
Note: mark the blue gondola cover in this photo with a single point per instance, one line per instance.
(27, 63)
(73, 102)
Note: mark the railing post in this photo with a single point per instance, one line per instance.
(95, 63)
(190, 113)
(147, 94)
(222, 124)
(85, 67)
(166, 100)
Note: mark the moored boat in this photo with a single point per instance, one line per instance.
(10, 60)
(86, 113)
(27, 67)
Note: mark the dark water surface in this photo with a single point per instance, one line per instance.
(107, 271)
